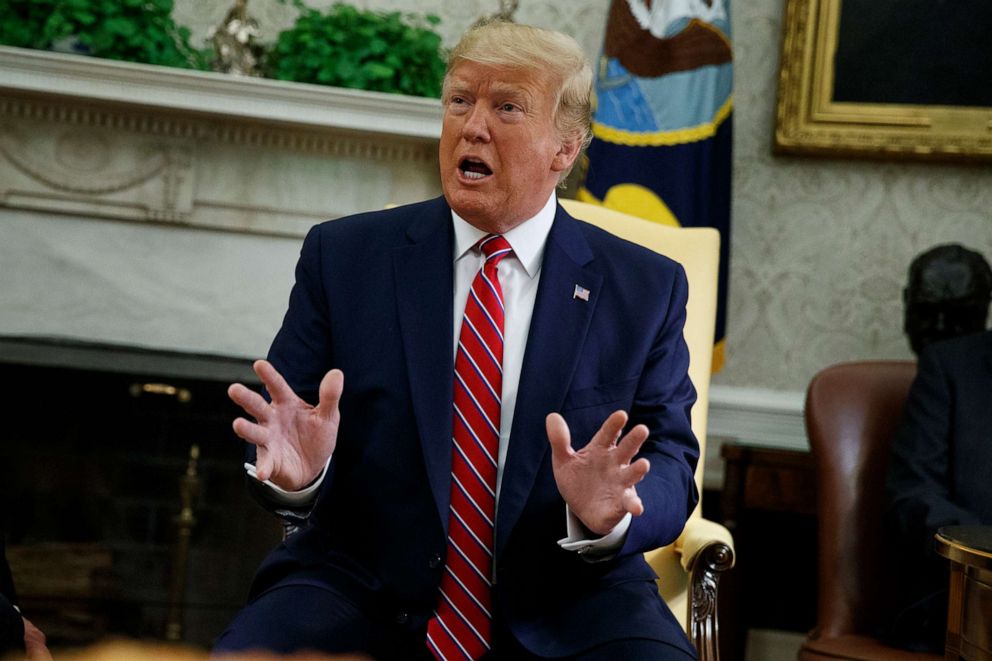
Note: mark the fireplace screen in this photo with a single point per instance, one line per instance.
(116, 525)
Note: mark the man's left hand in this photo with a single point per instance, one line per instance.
(598, 481)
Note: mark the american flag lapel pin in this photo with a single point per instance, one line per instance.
(581, 293)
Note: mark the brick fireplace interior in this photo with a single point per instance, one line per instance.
(95, 441)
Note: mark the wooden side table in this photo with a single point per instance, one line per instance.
(766, 479)
(766, 492)
(969, 606)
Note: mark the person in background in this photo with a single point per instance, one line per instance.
(939, 469)
(17, 634)
(491, 496)
(947, 295)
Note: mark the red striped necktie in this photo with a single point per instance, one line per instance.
(461, 626)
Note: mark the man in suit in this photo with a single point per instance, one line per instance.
(490, 497)
(938, 476)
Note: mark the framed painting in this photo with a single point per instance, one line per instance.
(886, 79)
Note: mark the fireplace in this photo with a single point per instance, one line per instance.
(97, 439)
(144, 206)
(162, 208)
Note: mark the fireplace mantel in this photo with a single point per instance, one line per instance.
(136, 142)
(161, 208)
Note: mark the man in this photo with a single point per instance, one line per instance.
(947, 295)
(938, 476)
(490, 496)
(17, 633)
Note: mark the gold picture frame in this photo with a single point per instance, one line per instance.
(810, 121)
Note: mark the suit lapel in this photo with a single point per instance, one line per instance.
(424, 289)
(557, 333)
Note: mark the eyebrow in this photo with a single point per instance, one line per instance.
(461, 85)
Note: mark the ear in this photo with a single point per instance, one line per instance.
(568, 151)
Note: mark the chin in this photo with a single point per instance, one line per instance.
(473, 208)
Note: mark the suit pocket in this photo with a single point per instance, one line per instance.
(601, 395)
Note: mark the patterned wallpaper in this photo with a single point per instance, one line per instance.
(820, 247)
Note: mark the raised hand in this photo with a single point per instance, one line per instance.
(597, 482)
(293, 438)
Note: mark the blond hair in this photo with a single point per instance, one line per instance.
(504, 44)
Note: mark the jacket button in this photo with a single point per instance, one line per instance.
(402, 617)
(435, 561)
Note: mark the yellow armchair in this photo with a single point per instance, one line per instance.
(689, 569)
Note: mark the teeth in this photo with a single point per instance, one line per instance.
(473, 175)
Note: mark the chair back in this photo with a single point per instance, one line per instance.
(852, 411)
(697, 249)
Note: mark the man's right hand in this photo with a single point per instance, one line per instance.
(294, 439)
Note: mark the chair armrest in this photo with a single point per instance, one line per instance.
(688, 577)
(698, 535)
(707, 550)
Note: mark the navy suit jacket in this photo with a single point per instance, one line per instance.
(939, 475)
(373, 297)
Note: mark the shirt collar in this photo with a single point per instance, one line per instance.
(527, 239)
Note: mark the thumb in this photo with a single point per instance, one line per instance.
(331, 387)
(559, 437)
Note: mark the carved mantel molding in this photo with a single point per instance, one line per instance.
(100, 138)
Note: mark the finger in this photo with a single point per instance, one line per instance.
(264, 464)
(253, 433)
(274, 383)
(559, 437)
(631, 444)
(608, 434)
(331, 387)
(253, 403)
(634, 473)
(631, 502)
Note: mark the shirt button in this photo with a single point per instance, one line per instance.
(402, 617)
(435, 561)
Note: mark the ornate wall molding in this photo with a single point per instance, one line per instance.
(120, 140)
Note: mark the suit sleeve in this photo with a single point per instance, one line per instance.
(917, 483)
(663, 402)
(11, 624)
(301, 352)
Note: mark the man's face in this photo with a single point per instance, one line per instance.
(500, 154)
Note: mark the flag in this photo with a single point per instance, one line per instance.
(662, 121)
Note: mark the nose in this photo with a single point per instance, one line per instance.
(476, 127)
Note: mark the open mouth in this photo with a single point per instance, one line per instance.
(472, 168)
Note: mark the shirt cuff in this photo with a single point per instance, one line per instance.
(295, 499)
(593, 549)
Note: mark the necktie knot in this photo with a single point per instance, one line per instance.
(495, 247)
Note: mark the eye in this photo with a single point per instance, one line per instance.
(508, 107)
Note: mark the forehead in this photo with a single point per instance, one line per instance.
(468, 75)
